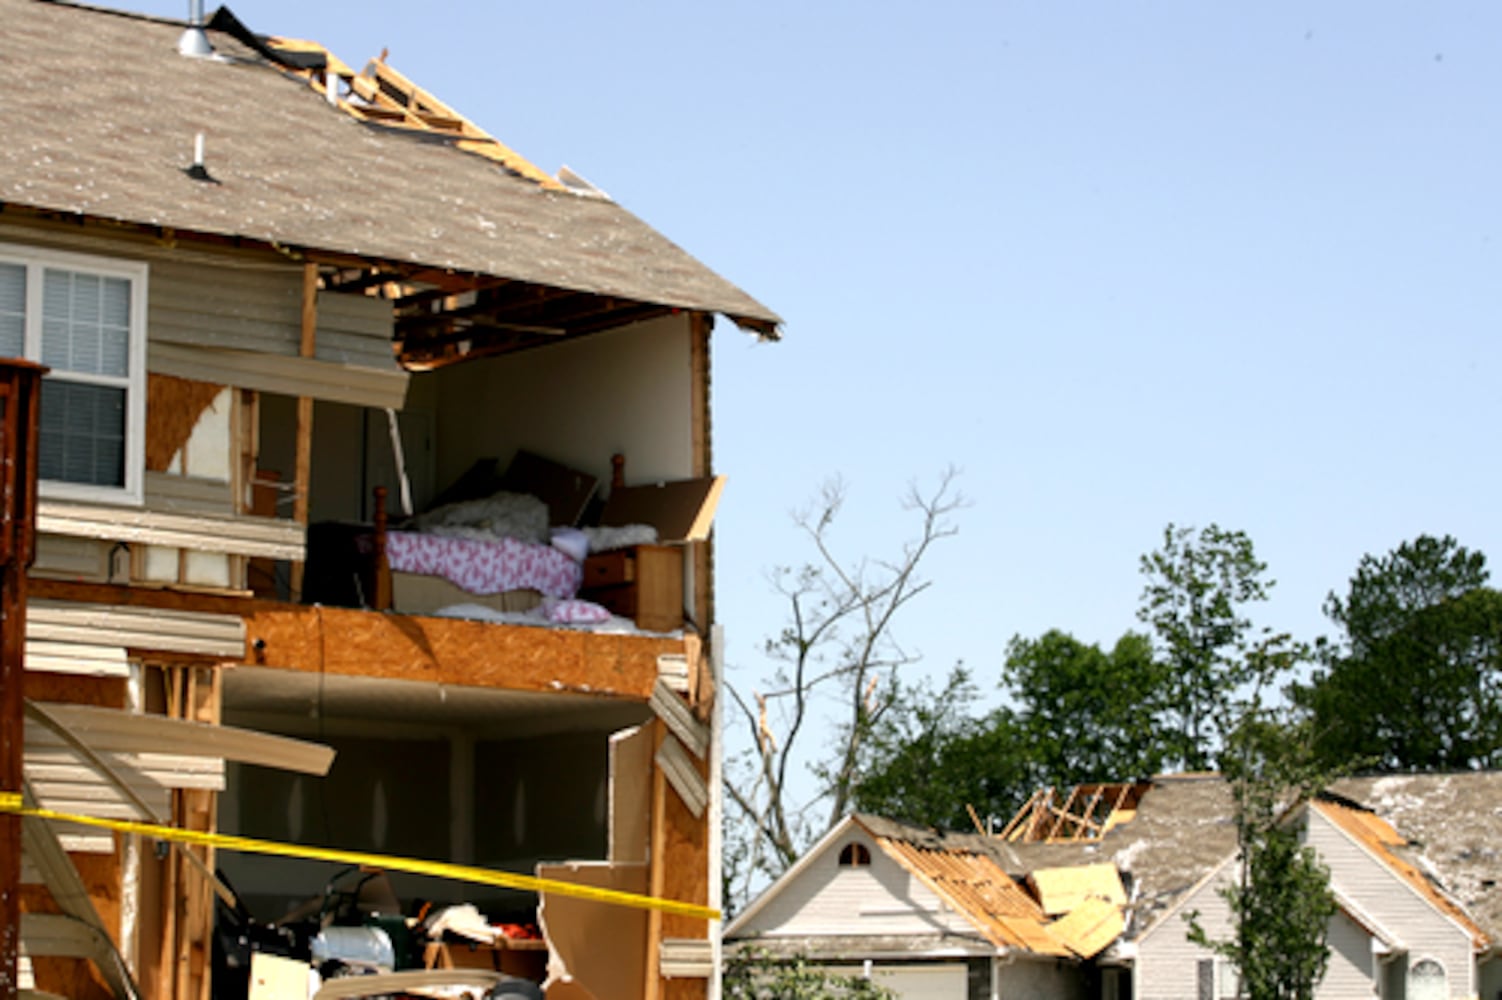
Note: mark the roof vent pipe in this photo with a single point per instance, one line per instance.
(194, 40)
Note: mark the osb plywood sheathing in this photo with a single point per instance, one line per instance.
(173, 408)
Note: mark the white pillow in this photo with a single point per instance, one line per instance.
(571, 542)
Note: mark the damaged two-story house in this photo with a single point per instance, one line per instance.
(284, 305)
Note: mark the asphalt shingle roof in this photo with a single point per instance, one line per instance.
(100, 116)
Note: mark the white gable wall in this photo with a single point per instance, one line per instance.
(1167, 964)
(827, 899)
(1424, 930)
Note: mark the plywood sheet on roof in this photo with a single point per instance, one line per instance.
(1061, 890)
(1089, 928)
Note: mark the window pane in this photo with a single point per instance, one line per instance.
(12, 310)
(82, 433)
(114, 306)
(85, 322)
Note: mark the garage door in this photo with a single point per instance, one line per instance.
(924, 982)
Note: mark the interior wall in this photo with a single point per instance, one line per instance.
(542, 799)
(577, 402)
(387, 796)
(389, 792)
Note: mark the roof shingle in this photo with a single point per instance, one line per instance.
(288, 169)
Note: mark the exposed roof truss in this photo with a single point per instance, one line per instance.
(1086, 813)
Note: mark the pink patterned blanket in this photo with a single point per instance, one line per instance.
(485, 567)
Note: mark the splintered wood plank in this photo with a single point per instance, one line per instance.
(685, 857)
(451, 651)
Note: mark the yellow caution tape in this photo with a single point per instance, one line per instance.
(10, 802)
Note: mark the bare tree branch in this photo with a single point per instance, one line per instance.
(838, 648)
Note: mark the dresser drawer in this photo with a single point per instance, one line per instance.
(610, 568)
(644, 583)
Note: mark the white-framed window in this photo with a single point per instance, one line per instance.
(85, 318)
(1427, 980)
(1218, 979)
(855, 855)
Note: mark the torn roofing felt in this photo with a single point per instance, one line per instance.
(293, 171)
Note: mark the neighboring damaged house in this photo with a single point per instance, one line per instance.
(1414, 861)
(934, 914)
(267, 285)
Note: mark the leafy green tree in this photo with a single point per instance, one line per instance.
(1078, 714)
(1087, 715)
(1198, 587)
(752, 974)
(1281, 903)
(1417, 682)
(931, 760)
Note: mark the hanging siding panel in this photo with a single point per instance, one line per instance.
(265, 537)
(80, 659)
(137, 628)
(286, 376)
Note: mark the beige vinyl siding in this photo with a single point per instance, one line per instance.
(1352, 970)
(288, 376)
(245, 301)
(136, 628)
(1167, 964)
(176, 494)
(880, 898)
(75, 558)
(207, 305)
(355, 330)
(1418, 925)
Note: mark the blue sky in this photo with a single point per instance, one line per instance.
(1122, 263)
